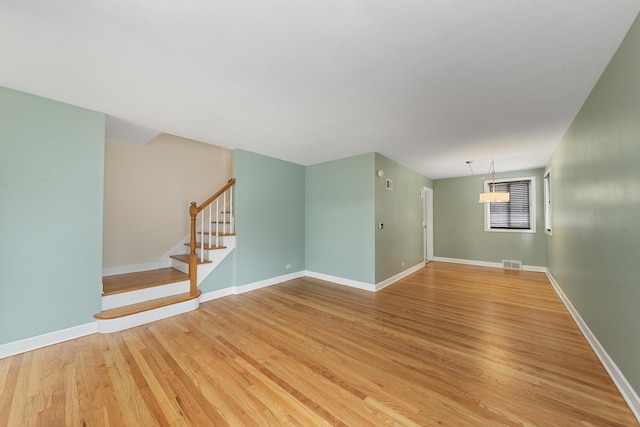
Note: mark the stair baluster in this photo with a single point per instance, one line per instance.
(217, 221)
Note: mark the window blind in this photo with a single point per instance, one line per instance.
(516, 214)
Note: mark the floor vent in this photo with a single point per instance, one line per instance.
(511, 265)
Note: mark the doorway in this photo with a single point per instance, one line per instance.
(427, 223)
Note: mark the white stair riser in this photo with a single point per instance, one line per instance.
(141, 295)
(180, 266)
(221, 217)
(220, 231)
(208, 253)
(203, 269)
(205, 238)
(222, 226)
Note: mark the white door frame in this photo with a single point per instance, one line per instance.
(427, 223)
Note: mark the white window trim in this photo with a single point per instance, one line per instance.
(548, 232)
(532, 205)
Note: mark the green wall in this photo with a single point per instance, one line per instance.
(345, 201)
(269, 217)
(51, 188)
(401, 211)
(459, 223)
(595, 183)
(340, 218)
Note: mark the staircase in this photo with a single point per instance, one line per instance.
(134, 299)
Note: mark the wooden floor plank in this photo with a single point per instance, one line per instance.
(448, 345)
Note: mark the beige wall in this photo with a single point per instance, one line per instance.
(147, 192)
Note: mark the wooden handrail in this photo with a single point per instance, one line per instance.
(194, 210)
(216, 195)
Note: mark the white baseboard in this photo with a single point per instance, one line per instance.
(268, 282)
(467, 262)
(39, 341)
(341, 281)
(235, 290)
(221, 293)
(399, 276)
(534, 268)
(363, 285)
(627, 392)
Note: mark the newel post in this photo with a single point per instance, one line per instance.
(193, 257)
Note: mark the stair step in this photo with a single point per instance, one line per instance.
(140, 280)
(213, 233)
(207, 247)
(146, 306)
(185, 258)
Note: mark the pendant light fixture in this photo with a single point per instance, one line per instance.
(493, 196)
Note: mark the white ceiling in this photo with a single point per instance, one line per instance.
(428, 83)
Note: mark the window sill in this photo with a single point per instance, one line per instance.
(494, 230)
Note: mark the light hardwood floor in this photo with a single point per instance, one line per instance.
(448, 345)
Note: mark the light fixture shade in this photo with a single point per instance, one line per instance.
(494, 197)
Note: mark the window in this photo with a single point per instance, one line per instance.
(519, 215)
(547, 202)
